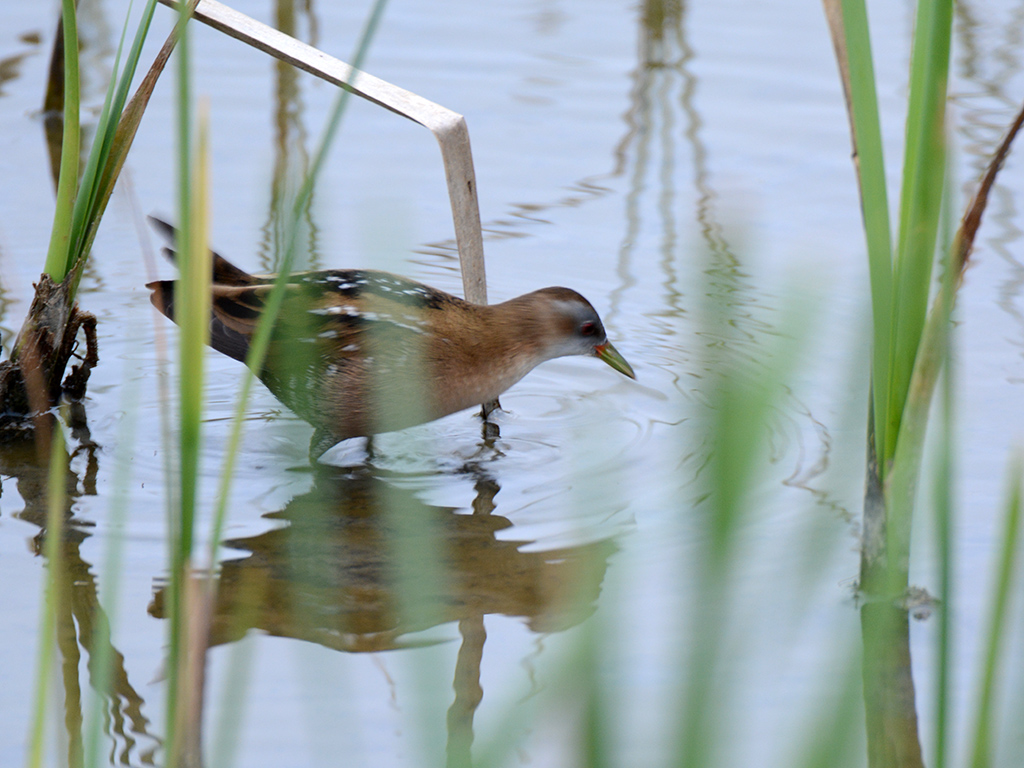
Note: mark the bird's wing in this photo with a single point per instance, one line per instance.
(326, 318)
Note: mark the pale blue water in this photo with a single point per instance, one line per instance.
(622, 165)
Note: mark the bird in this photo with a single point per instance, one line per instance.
(356, 352)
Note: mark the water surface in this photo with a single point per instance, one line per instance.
(645, 156)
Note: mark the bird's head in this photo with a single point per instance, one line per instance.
(569, 325)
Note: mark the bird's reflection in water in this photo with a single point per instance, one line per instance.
(362, 563)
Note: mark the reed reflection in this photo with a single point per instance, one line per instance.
(361, 564)
(291, 156)
(82, 623)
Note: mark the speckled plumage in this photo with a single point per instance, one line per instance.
(357, 352)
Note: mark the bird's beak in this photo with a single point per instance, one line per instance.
(611, 355)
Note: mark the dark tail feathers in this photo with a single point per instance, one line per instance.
(224, 272)
(225, 340)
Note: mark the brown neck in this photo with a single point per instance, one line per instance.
(485, 349)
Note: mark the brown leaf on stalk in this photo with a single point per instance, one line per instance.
(834, 17)
(964, 241)
(53, 103)
(931, 351)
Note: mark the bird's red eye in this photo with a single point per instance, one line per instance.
(588, 329)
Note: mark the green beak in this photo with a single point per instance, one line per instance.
(611, 355)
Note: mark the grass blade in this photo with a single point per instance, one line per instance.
(54, 534)
(122, 137)
(849, 26)
(191, 357)
(60, 236)
(920, 203)
(97, 182)
(87, 191)
(981, 754)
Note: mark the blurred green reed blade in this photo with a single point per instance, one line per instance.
(596, 732)
(944, 535)
(834, 735)
(60, 236)
(742, 396)
(920, 202)
(194, 328)
(519, 715)
(235, 685)
(943, 491)
(261, 338)
(996, 636)
(870, 166)
(54, 538)
(102, 662)
(195, 298)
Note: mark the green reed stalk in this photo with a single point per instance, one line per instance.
(920, 203)
(741, 396)
(863, 101)
(917, 337)
(833, 737)
(995, 639)
(80, 204)
(193, 295)
(900, 285)
(60, 235)
(944, 510)
(944, 535)
(106, 157)
(908, 341)
(191, 352)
